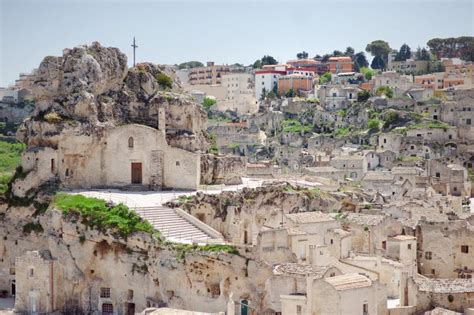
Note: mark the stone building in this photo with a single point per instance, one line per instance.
(451, 179)
(38, 283)
(125, 156)
(445, 249)
(354, 166)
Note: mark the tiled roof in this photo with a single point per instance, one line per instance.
(349, 281)
(309, 217)
(444, 285)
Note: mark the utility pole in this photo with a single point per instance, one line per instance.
(134, 47)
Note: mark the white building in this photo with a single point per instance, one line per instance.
(239, 93)
(266, 80)
(9, 95)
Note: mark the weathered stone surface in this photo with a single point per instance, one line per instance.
(222, 169)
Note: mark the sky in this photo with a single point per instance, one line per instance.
(224, 31)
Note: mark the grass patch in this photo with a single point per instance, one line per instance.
(183, 249)
(184, 199)
(430, 125)
(97, 214)
(10, 157)
(295, 126)
(342, 132)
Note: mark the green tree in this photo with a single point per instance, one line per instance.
(164, 81)
(290, 93)
(379, 48)
(462, 47)
(208, 102)
(404, 53)
(360, 61)
(378, 63)
(367, 72)
(337, 53)
(302, 55)
(422, 54)
(385, 90)
(190, 64)
(349, 52)
(266, 60)
(325, 78)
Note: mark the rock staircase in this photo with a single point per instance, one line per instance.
(174, 227)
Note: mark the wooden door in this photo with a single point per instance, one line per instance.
(136, 173)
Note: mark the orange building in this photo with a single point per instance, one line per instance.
(298, 82)
(309, 65)
(340, 64)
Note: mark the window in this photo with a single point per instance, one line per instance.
(409, 246)
(105, 293)
(365, 309)
(31, 272)
(428, 255)
(438, 174)
(177, 163)
(130, 142)
(12, 271)
(332, 274)
(465, 249)
(384, 140)
(107, 309)
(468, 121)
(52, 165)
(130, 294)
(298, 309)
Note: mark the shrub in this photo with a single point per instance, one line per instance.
(52, 118)
(363, 96)
(386, 90)
(391, 118)
(164, 81)
(97, 214)
(325, 78)
(208, 102)
(373, 124)
(295, 126)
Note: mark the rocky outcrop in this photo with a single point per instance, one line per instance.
(222, 169)
(92, 85)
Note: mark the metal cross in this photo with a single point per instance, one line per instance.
(134, 47)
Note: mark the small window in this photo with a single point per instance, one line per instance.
(177, 163)
(31, 272)
(465, 249)
(365, 309)
(332, 274)
(438, 174)
(12, 271)
(105, 293)
(52, 165)
(428, 255)
(298, 309)
(107, 309)
(409, 246)
(130, 142)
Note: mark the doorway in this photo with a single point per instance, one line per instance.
(13, 287)
(244, 309)
(130, 308)
(136, 173)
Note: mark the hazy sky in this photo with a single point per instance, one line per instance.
(225, 31)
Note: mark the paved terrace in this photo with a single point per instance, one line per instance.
(175, 224)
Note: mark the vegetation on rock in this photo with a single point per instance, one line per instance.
(10, 157)
(96, 213)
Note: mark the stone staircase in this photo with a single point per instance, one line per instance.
(174, 227)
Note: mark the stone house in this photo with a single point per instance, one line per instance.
(452, 294)
(334, 97)
(386, 158)
(431, 109)
(421, 94)
(354, 166)
(397, 82)
(451, 179)
(458, 112)
(390, 141)
(445, 249)
(124, 156)
(340, 294)
(38, 279)
(370, 232)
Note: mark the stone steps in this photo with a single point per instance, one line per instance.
(171, 225)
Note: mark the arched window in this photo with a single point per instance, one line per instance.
(130, 142)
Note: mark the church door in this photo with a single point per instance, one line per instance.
(136, 173)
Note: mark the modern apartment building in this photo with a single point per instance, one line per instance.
(340, 64)
(211, 74)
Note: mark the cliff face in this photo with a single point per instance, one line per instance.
(86, 260)
(90, 88)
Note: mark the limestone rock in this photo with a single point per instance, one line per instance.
(222, 169)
